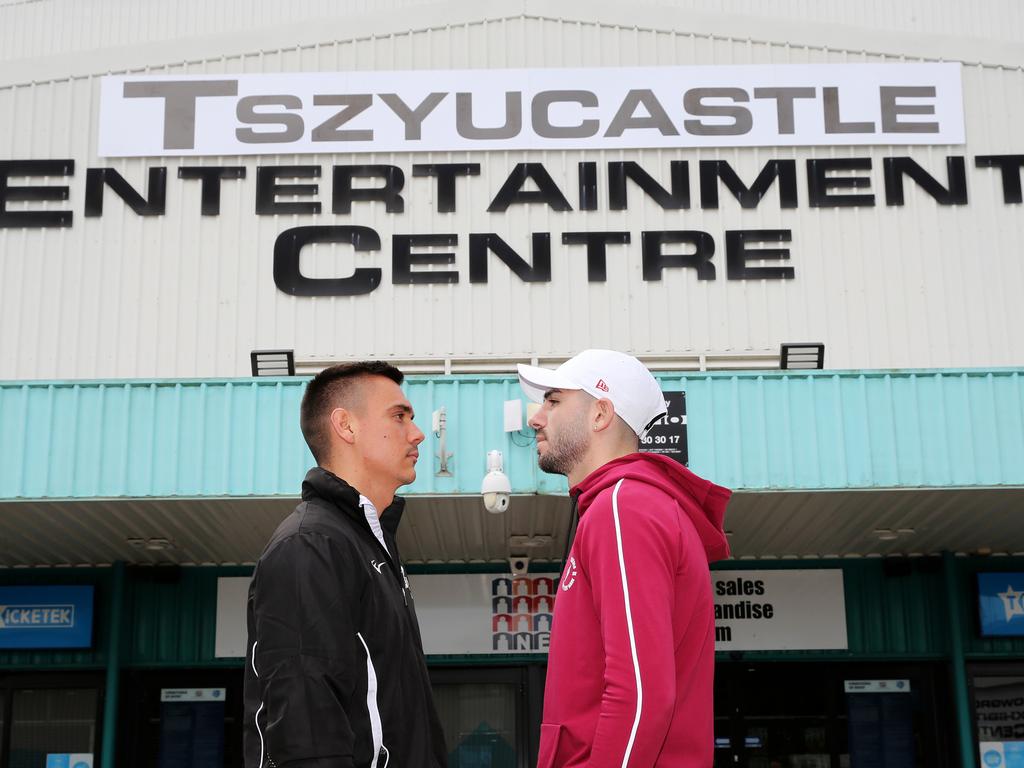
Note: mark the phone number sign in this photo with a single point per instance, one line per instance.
(668, 436)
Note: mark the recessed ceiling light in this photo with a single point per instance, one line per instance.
(886, 534)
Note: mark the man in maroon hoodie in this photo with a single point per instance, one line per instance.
(631, 664)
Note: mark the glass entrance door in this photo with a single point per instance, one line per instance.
(185, 718)
(490, 715)
(772, 718)
(817, 715)
(50, 720)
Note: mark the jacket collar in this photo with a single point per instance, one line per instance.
(323, 484)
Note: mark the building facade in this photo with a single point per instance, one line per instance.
(457, 187)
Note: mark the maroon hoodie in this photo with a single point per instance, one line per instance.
(631, 664)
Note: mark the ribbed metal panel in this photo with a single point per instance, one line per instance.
(181, 295)
(172, 615)
(858, 430)
(746, 431)
(53, 27)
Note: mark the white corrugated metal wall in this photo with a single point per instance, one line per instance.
(183, 295)
(45, 28)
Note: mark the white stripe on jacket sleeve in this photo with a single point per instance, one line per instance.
(629, 626)
(376, 729)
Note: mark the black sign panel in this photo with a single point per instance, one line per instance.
(668, 436)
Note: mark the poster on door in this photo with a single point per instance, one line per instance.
(999, 713)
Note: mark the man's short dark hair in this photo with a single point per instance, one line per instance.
(336, 387)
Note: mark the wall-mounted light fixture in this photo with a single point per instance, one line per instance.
(794, 357)
(273, 362)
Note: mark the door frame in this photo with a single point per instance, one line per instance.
(529, 682)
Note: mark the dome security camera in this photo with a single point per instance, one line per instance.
(519, 565)
(496, 487)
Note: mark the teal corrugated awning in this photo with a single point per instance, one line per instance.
(748, 431)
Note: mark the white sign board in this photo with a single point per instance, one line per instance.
(783, 610)
(492, 613)
(540, 109)
(231, 630)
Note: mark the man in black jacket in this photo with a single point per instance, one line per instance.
(335, 676)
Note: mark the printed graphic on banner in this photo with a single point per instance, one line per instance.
(779, 610)
(668, 436)
(521, 611)
(1001, 602)
(46, 617)
(543, 109)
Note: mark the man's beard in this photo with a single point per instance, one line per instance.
(566, 449)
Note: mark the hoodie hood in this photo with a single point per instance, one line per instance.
(702, 501)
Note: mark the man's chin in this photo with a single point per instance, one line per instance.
(550, 467)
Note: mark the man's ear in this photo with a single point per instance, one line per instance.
(344, 425)
(603, 414)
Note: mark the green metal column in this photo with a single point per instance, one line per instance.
(955, 618)
(113, 668)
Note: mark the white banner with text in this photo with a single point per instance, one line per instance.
(488, 613)
(540, 109)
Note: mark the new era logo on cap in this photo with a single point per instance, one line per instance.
(620, 378)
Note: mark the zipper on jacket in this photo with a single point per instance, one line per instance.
(393, 565)
(571, 533)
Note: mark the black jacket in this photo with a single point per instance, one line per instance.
(335, 676)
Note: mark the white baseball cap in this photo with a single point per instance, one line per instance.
(602, 373)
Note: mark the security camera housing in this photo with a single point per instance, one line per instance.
(519, 565)
(496, 487)
(496, 502)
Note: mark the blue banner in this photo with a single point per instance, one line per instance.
(46, 617)
(1001, 601)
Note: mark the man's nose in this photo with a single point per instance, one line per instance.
(417, 435)
(537, 421)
